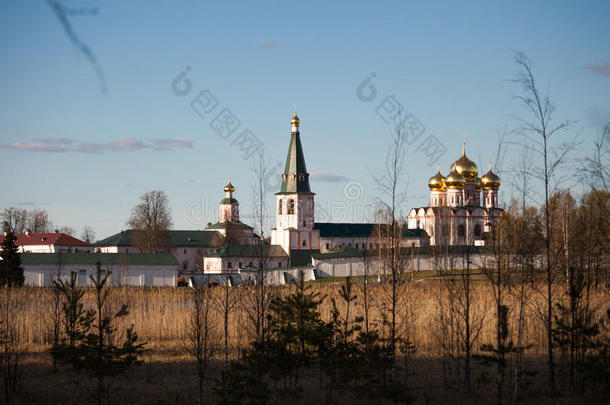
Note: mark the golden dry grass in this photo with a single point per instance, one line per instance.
(161, 318)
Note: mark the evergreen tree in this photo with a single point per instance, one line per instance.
(11, 272)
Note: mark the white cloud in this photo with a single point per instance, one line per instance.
(327, 177)
(56, 145)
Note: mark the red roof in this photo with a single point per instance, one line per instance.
(47, 238)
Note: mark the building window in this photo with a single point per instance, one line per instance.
(229, 265)
(184, 251)
(279, 207)
(461, 231)
(290, 206)
(250, 264)
(357, 246)
(260, 265)
(304, 224)
(477, 230)
(279, 265)
(239, 265)
(304, 243)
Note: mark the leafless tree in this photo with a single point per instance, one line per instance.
(226, 301)
(150, 221)
(10, 343)
(38, 221)
(201, 333)
(595, 169)
(16, 218)
(389, 181)
(55, 313)
(88, 234)
(262, 296)
(539, 130)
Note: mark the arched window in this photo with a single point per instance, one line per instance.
(291, 206)
(279, 207)
(461, 231)
(477, 230)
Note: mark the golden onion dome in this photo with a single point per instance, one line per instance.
(229, 187)
(437, 182)
(490, 181)
(465, 166)
(295, 121)
(455, 180)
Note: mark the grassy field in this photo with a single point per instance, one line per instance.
(168, 375)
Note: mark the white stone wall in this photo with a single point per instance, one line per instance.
(40, 275)
(343, 267)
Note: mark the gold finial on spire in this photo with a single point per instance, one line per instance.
(490, 161)
(229, 187)
(438, 167)
(464, 144)
(295, 119)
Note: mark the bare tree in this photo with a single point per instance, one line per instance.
(200, 342)
(88, 234)
(16, 218)
(539, 130)
(38, 221)
(150, 221)
(389, 180)
(594, 168)
(10, 343)
(260, 170)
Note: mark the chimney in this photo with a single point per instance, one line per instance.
(57, 231)
(28, 233)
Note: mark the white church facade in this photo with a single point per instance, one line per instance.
(463, 206)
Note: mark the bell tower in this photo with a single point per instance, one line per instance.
(295, 202)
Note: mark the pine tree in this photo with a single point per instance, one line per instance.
(11, 272)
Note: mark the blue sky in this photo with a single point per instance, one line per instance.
(86, 156)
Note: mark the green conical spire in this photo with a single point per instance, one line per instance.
(295, 178)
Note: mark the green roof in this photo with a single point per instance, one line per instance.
(167, 259)
(295, 165)
(344, 251)
(302, 257)
(250, 251)
(335, 230)
(359, 230)
(178, 238)
(228, 201)
(223, 225)
(414, 233)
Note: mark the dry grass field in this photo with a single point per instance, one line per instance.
(167, 375)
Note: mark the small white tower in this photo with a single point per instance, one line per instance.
(229, 207)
